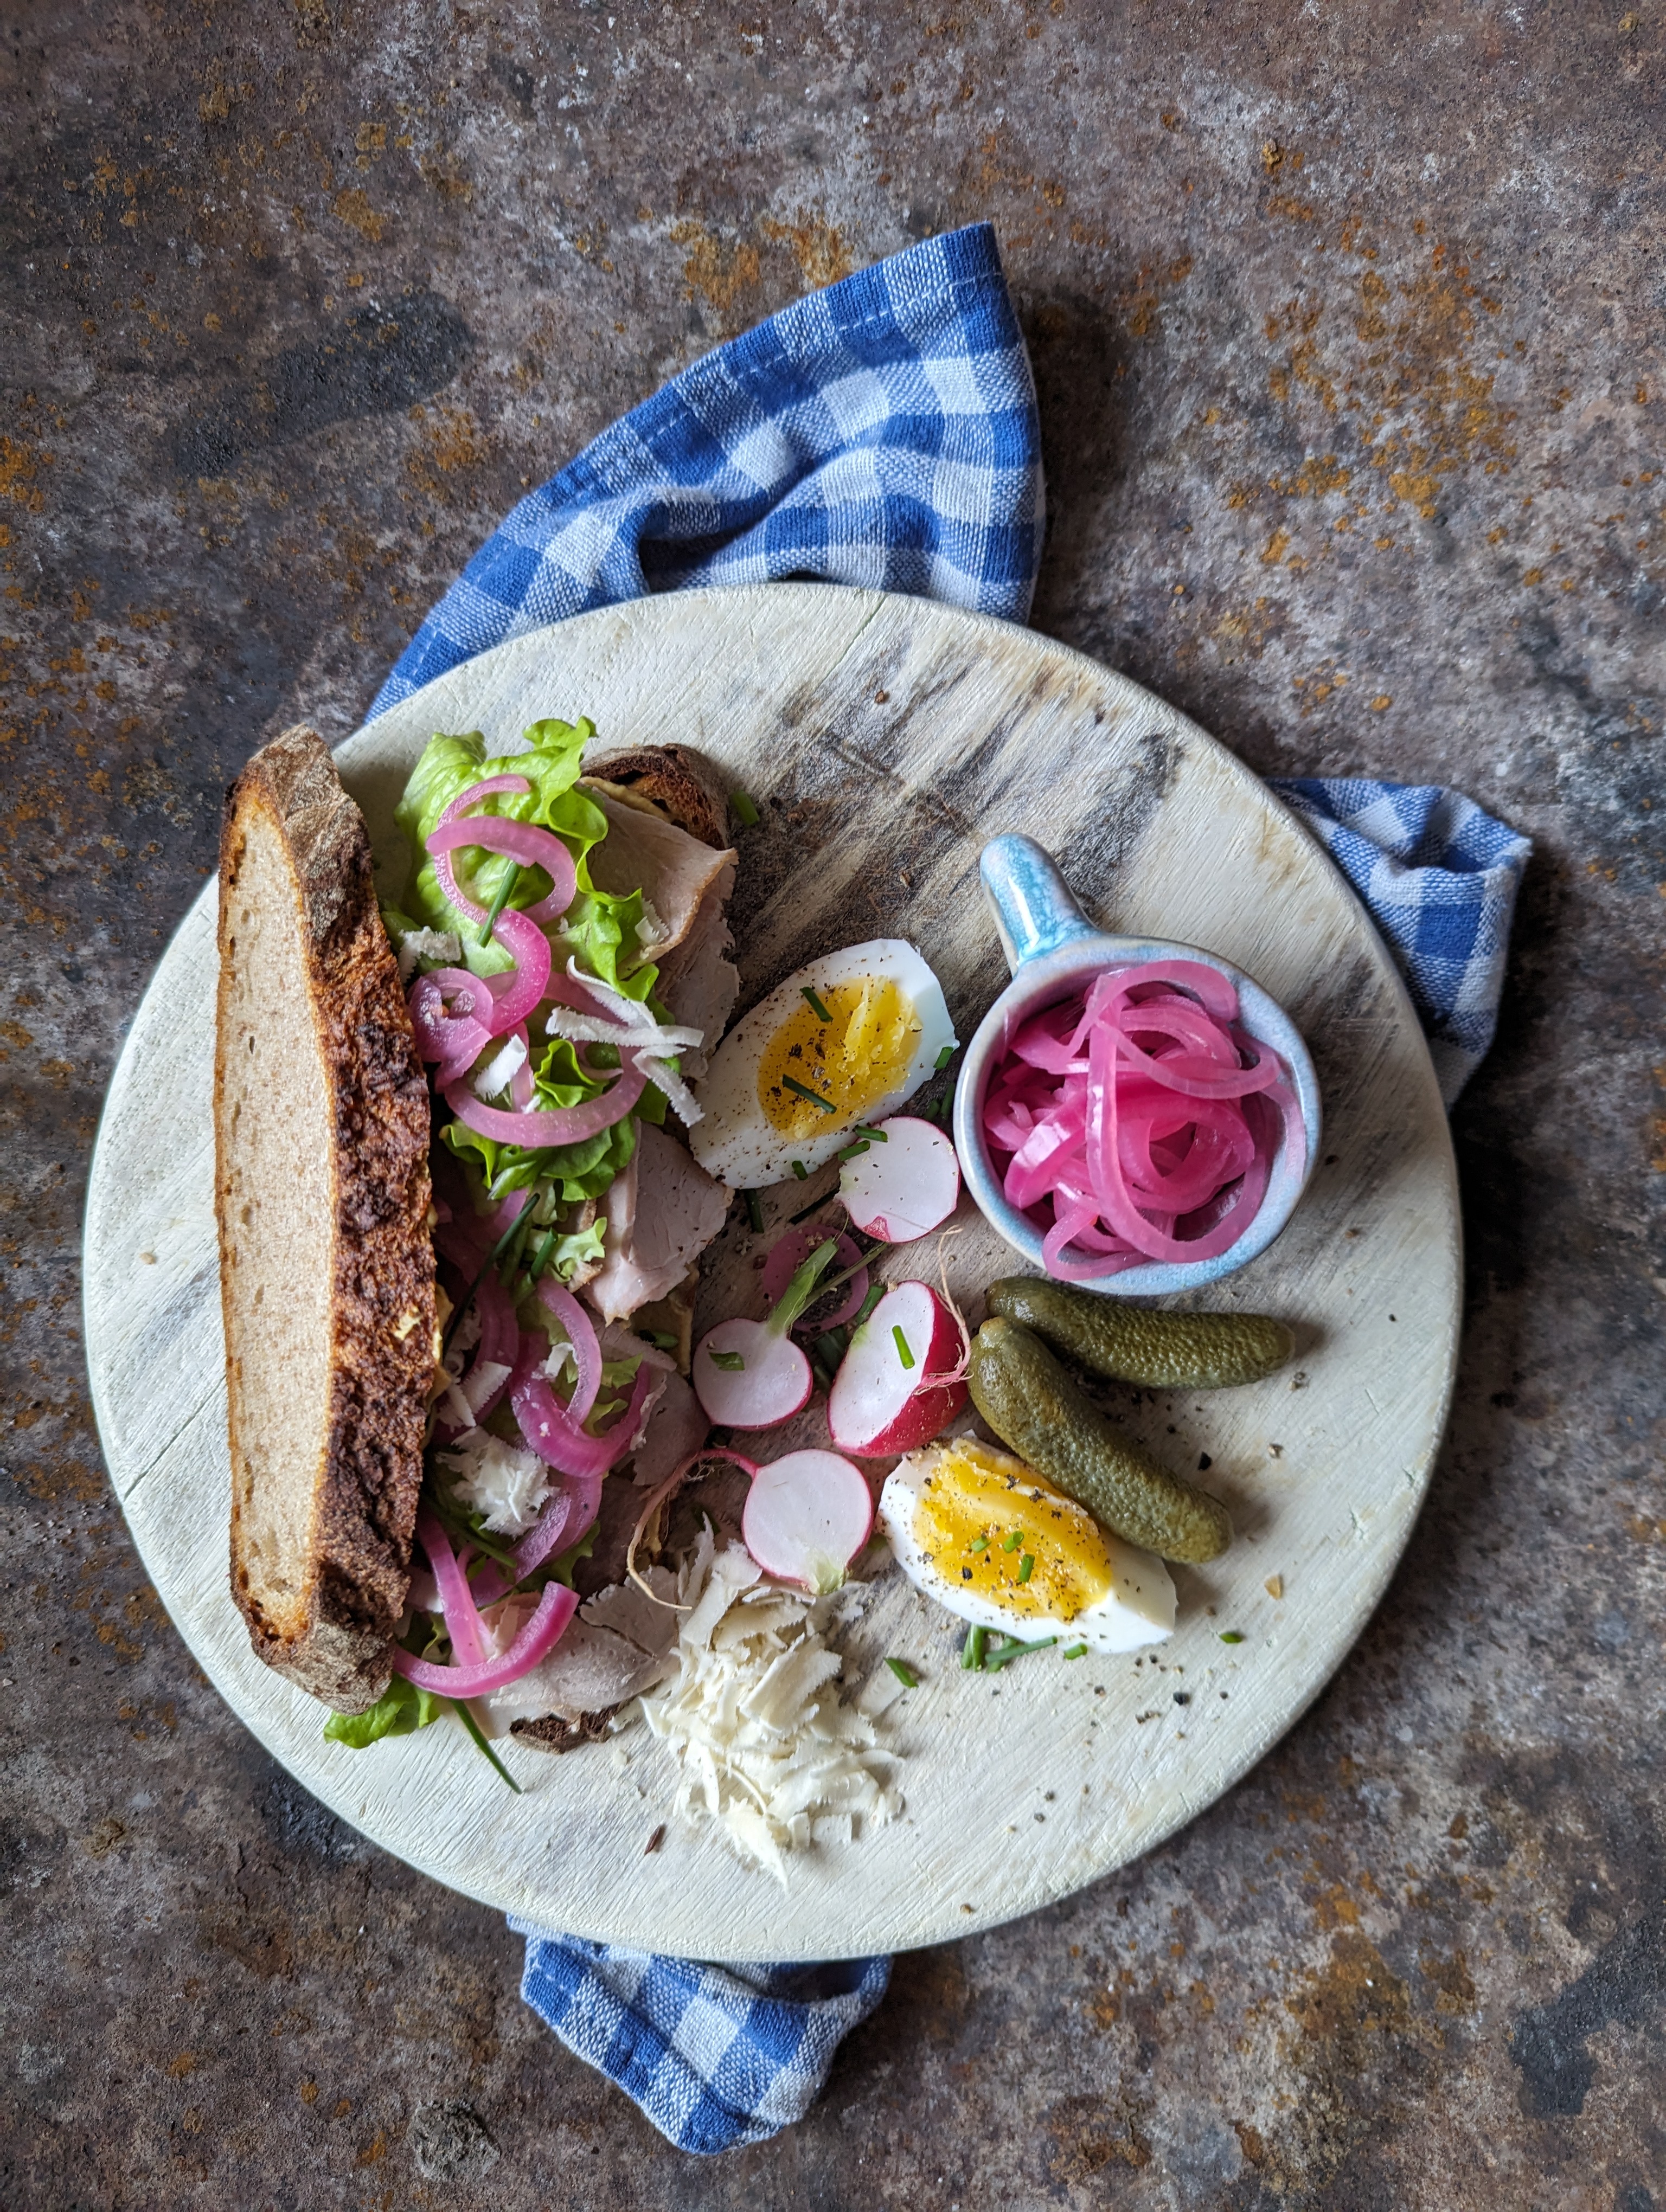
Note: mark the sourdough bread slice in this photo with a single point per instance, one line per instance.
(326, 1262)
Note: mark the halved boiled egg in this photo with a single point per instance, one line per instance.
(994, 1542)
(843, 1041)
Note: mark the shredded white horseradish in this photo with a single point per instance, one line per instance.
(754, 1719)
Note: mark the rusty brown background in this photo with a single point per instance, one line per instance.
(1347, 324)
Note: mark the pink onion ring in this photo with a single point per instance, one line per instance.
(457, 1602)
(537, 1640)
(586, 1350)
(561, 1125)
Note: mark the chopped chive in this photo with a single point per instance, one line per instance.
(1075, 1651)
(1014, 1541)
(904, 1673)
(876, 1292)
(731, 1362)
(819, 1375)
(831, 1348)
(1026, 1566)
(971, 1651)
(502, 1244)
(754, 1210)
(1231, 1635)
(816, 1005)
(945, 1057)
(791, 1083)
(814, 1207)
(661, 1338)
(901, 1342)
(1014, 1650)
(800, 1170)
(540, 1258)
(980, 1543)
(745, 810)
(517, 1242)
(852, 1151)
(500, 900)
(874, 1136)
(481, 1744)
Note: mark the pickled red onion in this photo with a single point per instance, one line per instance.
(554, 1125)
(1139, 1120)
(537, 1638)
(526, 841)
(586, 1349)
(456, 1602)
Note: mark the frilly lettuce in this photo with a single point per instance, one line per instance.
(600, 927)
(401, 1709)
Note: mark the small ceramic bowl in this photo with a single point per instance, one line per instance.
(1054, 950)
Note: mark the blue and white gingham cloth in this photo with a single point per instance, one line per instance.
(715, 2056)
(880, 433)
(1440, 878)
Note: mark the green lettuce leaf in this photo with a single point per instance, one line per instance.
(601, 927)
(400, 1710)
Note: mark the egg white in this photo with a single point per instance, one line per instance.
(735, 1141)
(1137, 1609)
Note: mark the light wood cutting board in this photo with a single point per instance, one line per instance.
(887, 739)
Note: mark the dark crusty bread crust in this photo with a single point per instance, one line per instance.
(675, 781)
(332, 1635)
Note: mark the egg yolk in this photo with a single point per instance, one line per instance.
(858, 1055)
(999, 1531)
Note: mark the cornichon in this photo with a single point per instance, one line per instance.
(1129, 1344)
(1032, 1405)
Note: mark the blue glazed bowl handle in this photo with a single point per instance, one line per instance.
(1035, 911)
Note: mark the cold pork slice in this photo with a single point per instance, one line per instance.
(661, 1214)
(698, 981)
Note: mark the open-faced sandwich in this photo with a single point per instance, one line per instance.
(553, 966)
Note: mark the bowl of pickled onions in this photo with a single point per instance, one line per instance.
(1133, 1116)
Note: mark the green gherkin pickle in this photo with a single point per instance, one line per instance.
(1032, 1405)
(1130, 1344)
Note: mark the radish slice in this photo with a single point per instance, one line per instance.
(757, 1379)
(788, 1254)
(750, 1374)
(806, 1518)
(905, 1187)
(900, 1385)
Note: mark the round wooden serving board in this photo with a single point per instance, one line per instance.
(886, 739)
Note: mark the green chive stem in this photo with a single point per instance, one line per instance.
(481, 1744)
(945, 1057)
(755, 1211)
(971, 1651)
(901, 1343)
(873, 1136)
(1014, 1541)
(1076, 1651)
(1231, 1635)
(800, 1170)
(1026, 1566)
(876, 1292)
(980, 1543)
(904, 1673)
(803, 1091)
(731, 1363)
(816, 1005)
(500, 900)
(745, 811)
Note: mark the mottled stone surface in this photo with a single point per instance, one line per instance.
(1346, 324)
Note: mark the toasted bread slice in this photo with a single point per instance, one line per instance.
(671, 781)
(326, 1261)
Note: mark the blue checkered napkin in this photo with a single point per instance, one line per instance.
(1439, 878)
(715, 2056)
(880, 433)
